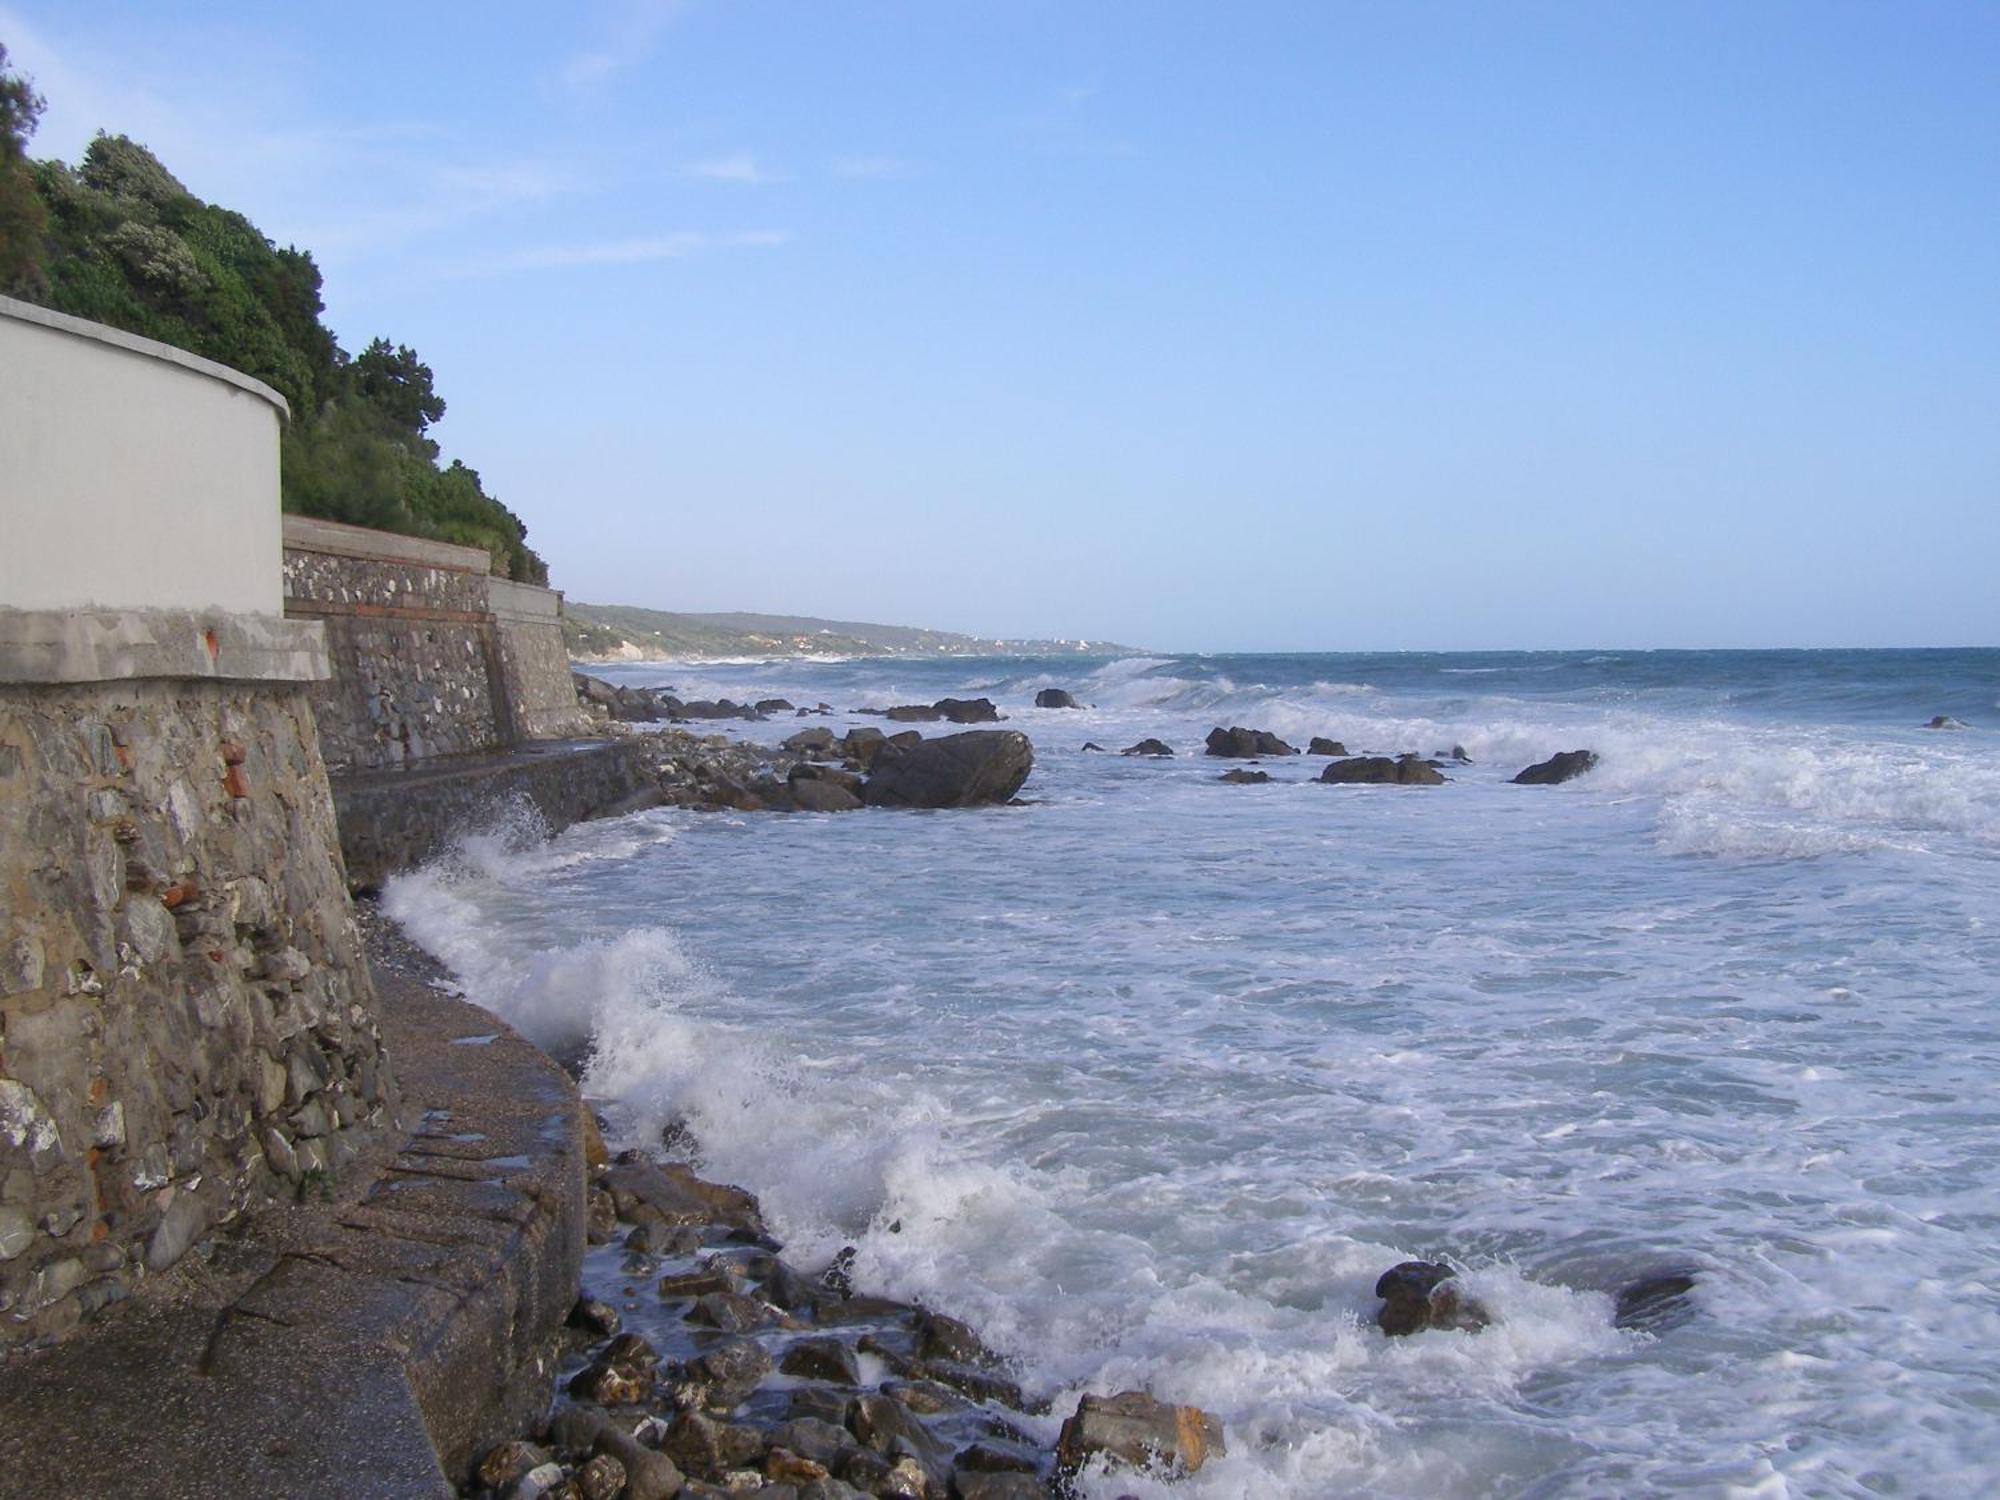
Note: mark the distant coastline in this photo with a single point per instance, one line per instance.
(611, 633)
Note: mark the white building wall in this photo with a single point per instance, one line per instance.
(133, 476)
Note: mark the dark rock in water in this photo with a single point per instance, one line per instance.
(913, 713)
(1134, 1429)
(1381, 770)
(863, 745)
(1245, 778)
(838, 1277)
(773, 706)
(1456, 754)
(1322, 746)
(822, 1359)
(703, 1445)
(1246, 744)
(1558, 768)
(1946, 721)
(957, 770)
(811, 794)
(1420, 1294)
(594, 1317)
(808, 741)
(1055, 698)
(977, 1484)
(1093, 745)
(730, 1372)
(939, 1337)
(731, 1312)
(968, 710)
(1148, 747)
(1656, 1301)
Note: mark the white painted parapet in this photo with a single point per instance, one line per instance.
(139, 511)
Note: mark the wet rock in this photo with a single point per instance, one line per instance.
(1946, 721)
(829, 1489)
(1055, 698)
(1148, 747)
(957, 770)
(838, 1277)
(1322, 746)
(594, 1317)
(809, 741)
(726, 1375)
(1382, 770)
(875, 1474)
(781, 1286)
(573, 1429)
(1134, 1429)
(672, 1195)
(503, 1465)
(1245, 778)
(812, 795)
(1456, 754)
(620, 1376)
(773, 706)
(822, 1359)
(977, 1484)
(731, 1312)
(1558, 768)
(649, 1475)
(968, 710)
(1418, 1295)
(818, 1404)
(782, 1466)
(940, 1337)
(885, 1425)
(1091, 746)
(810, 1437)
(704, 1445)
(1245, 744)
(600, 1479)
(1656, 1301)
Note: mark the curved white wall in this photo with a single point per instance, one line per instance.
(132, 475)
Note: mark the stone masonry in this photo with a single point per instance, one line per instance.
(186, 1020)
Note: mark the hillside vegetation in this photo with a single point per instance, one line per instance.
(118, 239)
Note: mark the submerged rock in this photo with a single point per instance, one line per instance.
(1420, 1294)
(1055, 698)
(1655, 1301)
(1382, 770)
(957, 770)
(1946, 721)
(1148, 747)
(1246, 744)
(1245, 778)
(1135, 1429)
(1563, 766)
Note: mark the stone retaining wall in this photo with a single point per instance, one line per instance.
(431, 655)
(186, 1020)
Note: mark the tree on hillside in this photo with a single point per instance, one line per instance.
(23, 221)
(397, 384)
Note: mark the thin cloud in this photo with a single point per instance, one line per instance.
(863, 168)
(625, 252)
(739, 167)
(633, 36)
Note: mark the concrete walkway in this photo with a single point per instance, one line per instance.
(371, 1346)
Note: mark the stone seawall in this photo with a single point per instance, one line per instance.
(392, 821)
(431, 655)
(186, 1020)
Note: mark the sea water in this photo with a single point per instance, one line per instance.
(1152, 1078)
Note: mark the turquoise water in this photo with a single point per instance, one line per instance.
(1152, 1078)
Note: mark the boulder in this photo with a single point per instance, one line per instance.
(1946, 721)
(1055, 698)
(1420, 1294)
(810, 794)
(1382, 770)
(1092, 745)
(1321, 745)
(1134, 1429)
(968, 710)
(956, 770)
(1246, 744)
(1245, 778)
(1455, 754)
(773, 706)
(913, 713)
(1557, 768)
(824, 1359)
(1148, 747)
(815, 741)
(649, 1475)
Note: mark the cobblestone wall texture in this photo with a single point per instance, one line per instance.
(186, 1020)
(422, 667)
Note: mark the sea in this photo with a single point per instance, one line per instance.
(1150, 1078)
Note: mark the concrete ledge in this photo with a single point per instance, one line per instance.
(310, 534)
(369, 1349)
(70, 646)
(391, 821)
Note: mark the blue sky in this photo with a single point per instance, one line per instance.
(1261, 326)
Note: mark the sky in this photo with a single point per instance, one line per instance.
(1259, 326)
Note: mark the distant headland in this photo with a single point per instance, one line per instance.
(624, 632)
